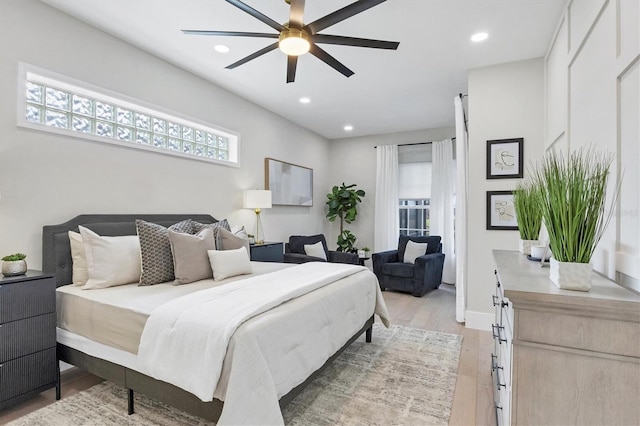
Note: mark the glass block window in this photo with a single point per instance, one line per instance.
(75, 109)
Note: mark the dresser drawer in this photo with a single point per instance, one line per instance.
(28, 373)
(23, 337)
(27, 299)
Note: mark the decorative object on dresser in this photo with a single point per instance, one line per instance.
(267, 252)
(526, 200)
(505, 158)
(257, 199)
(27, 337)
(299, 250)
(501, 212)
(424, 274)
(563, 357)
(14, 264)
(342, 202)
(573, 196)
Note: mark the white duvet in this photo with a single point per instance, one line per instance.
(185, 341)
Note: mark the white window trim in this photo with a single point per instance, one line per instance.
(95, 92)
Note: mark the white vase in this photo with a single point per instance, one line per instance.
(570, 275)
(11, 268)
(525, 246)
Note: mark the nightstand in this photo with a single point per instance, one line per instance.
(267, 252)
(28, 363)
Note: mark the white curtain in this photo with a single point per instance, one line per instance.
(441, 216)
(462, 160)
(386, 223)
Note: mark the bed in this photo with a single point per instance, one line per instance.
(334, 316)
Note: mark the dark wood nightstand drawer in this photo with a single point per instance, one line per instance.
(28, 298)
(34, 334)
(24, 375)
(267, 252)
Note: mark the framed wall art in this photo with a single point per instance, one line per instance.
(501, 212)
(290, 185)
(505, 158)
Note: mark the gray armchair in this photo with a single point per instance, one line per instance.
(294, 251)
(418, 278)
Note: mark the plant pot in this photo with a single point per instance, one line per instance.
(570, 275)
(525, 246)
(11, 268)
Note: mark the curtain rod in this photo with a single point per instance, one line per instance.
(418, 143)
(429, 143)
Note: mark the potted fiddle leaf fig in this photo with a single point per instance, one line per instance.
(14, 264)
(343, 202)
(573, 196)
(526, 200)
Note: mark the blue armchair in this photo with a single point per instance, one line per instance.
(294, 251)
(416, 278)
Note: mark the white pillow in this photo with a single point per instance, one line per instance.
(414, 250)
(111, 261)
(79, 273)
(315, 250)
(229, 263)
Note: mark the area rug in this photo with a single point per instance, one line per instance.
(406, 376)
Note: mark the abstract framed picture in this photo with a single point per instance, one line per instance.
(501, 213)
(290, 185)
(505, 158)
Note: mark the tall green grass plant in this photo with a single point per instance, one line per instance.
(573, 196)
(527, 202)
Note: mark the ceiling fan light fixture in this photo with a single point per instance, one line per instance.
(294, 42)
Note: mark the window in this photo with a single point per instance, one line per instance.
(414, 189)
(414, 216)
(59, 104)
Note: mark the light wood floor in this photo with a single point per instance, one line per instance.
(473, 400)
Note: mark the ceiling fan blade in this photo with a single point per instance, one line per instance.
(295, 14)
(229, 33)
(340, 15)
(251, 11)
(353, 41)
(253, 56)
(292, 64)
(330, 60)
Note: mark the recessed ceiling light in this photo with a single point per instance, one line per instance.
(479, 37)
(348, 128)
(221, 48)
(305, 100)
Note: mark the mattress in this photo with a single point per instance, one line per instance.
(116, 316)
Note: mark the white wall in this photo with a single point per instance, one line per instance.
(593, 99)
(47, 179)
(505, 101)
(353, 160)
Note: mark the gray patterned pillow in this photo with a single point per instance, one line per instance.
(197, 227)
(155, 250)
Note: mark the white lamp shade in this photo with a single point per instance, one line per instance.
(257, 199)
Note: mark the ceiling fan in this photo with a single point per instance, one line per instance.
(295, 38)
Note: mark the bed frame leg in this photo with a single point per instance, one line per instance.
(130, 401)
(368, 332)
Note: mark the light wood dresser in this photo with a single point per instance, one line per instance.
(563, 357)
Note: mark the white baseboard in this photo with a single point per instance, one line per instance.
(478, 320)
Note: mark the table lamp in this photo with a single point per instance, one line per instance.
(257, 199)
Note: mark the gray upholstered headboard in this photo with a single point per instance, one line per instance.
(56, 250)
